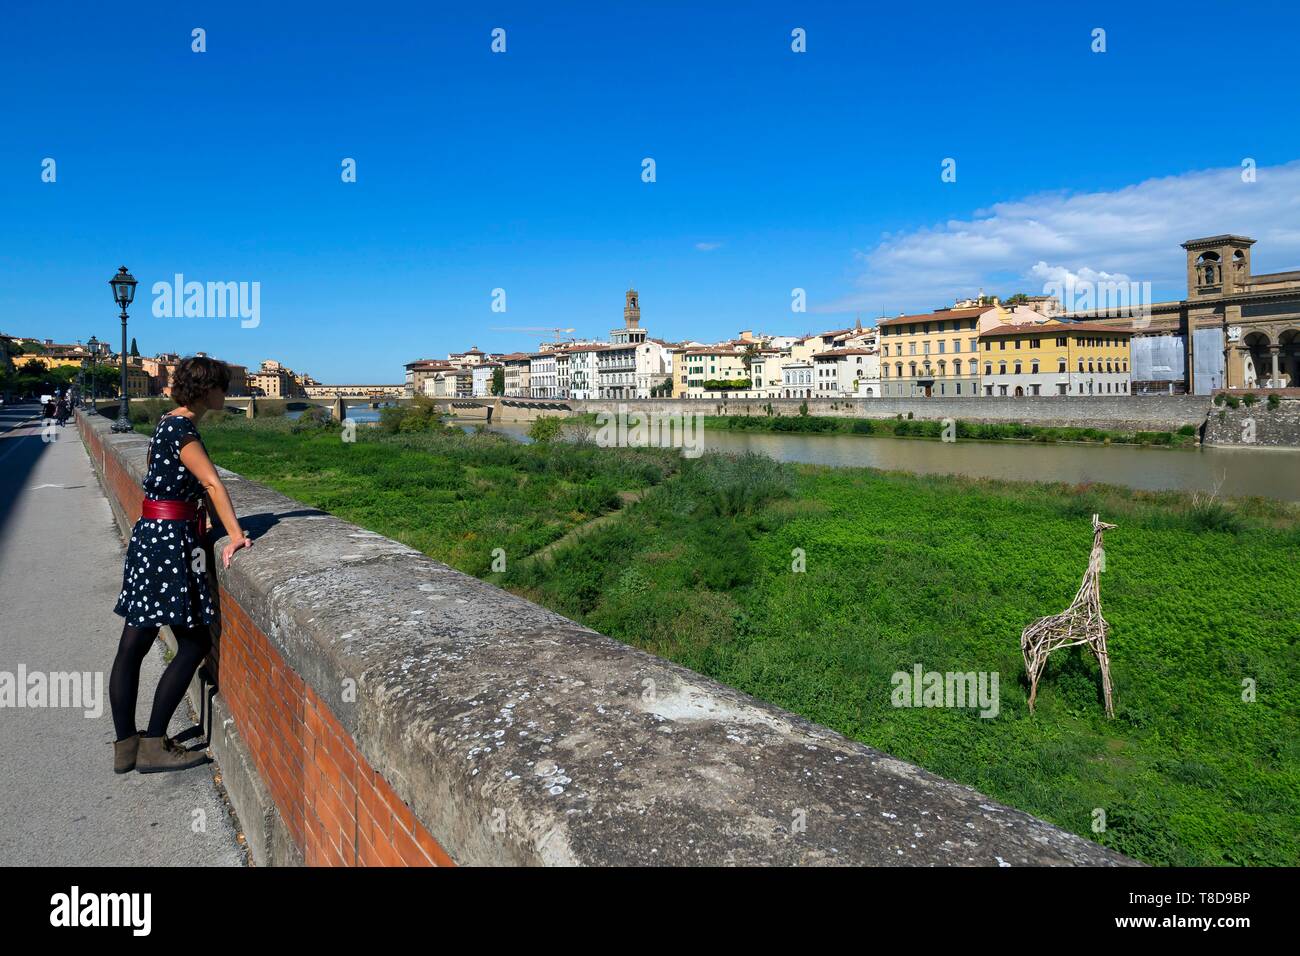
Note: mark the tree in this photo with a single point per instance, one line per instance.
(751, 351)
(1018, 299)
(498, 381)
(135, 352)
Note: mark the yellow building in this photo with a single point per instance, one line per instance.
(1055, 358)
(717, 364)
(934, 354)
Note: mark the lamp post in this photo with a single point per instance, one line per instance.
(93, 344)
(123, 292)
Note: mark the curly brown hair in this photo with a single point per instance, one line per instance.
(196, 376)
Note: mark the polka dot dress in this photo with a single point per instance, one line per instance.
(162, 578)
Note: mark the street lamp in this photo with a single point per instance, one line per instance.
(93, 345)
(123, 292)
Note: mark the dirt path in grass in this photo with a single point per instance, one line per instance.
(628, 498)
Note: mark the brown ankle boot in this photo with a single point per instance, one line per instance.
(159, 754)
(124, 753)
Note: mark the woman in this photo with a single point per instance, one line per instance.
(164, 579)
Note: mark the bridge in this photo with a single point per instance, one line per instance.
(367, 705)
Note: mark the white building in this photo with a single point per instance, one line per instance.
(482, 380)
(542, 375)
(797, 380)
(583, 374)
(847, 373)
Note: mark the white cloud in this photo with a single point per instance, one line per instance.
(708, 246)
(1131, 233)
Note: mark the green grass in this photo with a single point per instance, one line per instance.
(455, 497)
(900, 570)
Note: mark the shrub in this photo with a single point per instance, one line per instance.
(1249, 399)
(1231, 401)
(1274, 401)
(1187, 431)
(1211, 515)
(314, 418)
(1218, 399)
(545, 429)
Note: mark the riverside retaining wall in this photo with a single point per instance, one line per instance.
(1119, 413)
(369, 706)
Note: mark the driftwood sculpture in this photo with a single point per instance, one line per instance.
(1080, 623)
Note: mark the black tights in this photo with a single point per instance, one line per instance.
(192, 645)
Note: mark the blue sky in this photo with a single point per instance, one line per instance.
(522, 170)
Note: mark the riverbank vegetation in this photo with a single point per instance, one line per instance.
(810, 587)
(916, 428)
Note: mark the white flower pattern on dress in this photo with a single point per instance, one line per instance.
(146, 599)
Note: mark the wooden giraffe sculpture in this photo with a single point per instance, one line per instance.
(1080, 623)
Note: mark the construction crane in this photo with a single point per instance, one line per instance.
(532, 328)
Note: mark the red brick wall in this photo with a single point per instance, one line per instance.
(339, 810)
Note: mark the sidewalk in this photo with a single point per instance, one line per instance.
(60, 572)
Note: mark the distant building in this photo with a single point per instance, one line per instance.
(1055, 358)
(274, 380)
(847, 373)
(934, 353)
(483, 375)
(517, 374)
(1234, 329)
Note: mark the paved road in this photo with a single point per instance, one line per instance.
(60, 571)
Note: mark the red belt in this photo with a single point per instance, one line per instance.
(173, 510)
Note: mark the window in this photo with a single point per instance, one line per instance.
(1080, 369)
(1060, 341)
(1018, 369)
(1002, 344)
(974, 367)
(987, 345)
(1033, 389)
(911, 348)
(1035, 343)
(1017, 343)
(1002, 368)
(1033, 368)
(1060, 389)
(925, 346)
(988, 390)
(974, 343)
(942, 346)
(1060, 366)
(1002, 389)
(956, 345)
(988, 368)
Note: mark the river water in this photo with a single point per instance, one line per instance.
(1234, 472)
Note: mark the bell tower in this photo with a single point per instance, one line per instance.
(632, 310)
(1217, 265)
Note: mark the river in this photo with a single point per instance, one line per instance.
(1234, 472)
